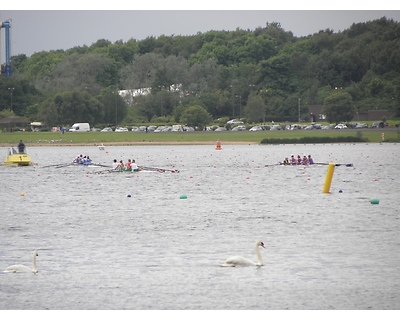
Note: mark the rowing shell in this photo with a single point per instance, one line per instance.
(316, 163)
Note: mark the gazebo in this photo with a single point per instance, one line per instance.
(9, 122)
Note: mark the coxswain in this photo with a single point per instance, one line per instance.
(286, 161)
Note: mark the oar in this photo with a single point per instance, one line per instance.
(103, 171)
(56, 165)
(100, 165)
(275, 164)
(64, 165)
(336, 164)
(158, 169)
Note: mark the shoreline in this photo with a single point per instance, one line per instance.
(133, 143)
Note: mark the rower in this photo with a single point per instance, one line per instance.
(128, 165)
(134, 166)
(115, 165)
(292, 159)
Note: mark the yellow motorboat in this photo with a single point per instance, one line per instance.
(17, 158)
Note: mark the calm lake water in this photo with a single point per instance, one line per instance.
(129, 240)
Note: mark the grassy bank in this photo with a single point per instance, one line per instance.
(131, 138)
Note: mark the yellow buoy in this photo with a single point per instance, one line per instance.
(22, 194)
(328, 178)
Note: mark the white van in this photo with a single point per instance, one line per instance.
(80, 127)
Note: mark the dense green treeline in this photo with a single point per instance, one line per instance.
(262, 74)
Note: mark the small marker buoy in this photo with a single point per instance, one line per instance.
(374, 201)
(340, 191)
(129, 196)
(22, 194)
(183, 196)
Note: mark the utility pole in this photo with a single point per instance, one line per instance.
(11, 94)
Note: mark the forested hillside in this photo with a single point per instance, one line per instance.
(260, 75)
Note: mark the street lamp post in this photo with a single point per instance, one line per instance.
(233, 105)
(240, 105)
(11, 95)
(116, 110)
(299, 109)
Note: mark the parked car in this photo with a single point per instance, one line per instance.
(378, 125)
(220, 129)
(121, 129)
(106, 129)
(361, 125)
(234, 121)
(275, 127)
(239, 128)
(341, 126)
(167, 129)
(256, 128)
(313, 126)
(159, 129)
(293, 127)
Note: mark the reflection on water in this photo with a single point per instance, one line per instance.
(128, 241)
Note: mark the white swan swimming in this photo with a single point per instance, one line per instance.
(21, 268)
(238, 261)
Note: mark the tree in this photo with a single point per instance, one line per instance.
(86, 72)
(70, 107)
(255, 108)
(195, 116)
(115, 108)
(338, 107)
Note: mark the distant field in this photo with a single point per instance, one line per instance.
(204, 137)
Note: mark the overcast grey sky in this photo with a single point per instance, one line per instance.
(37, 30)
